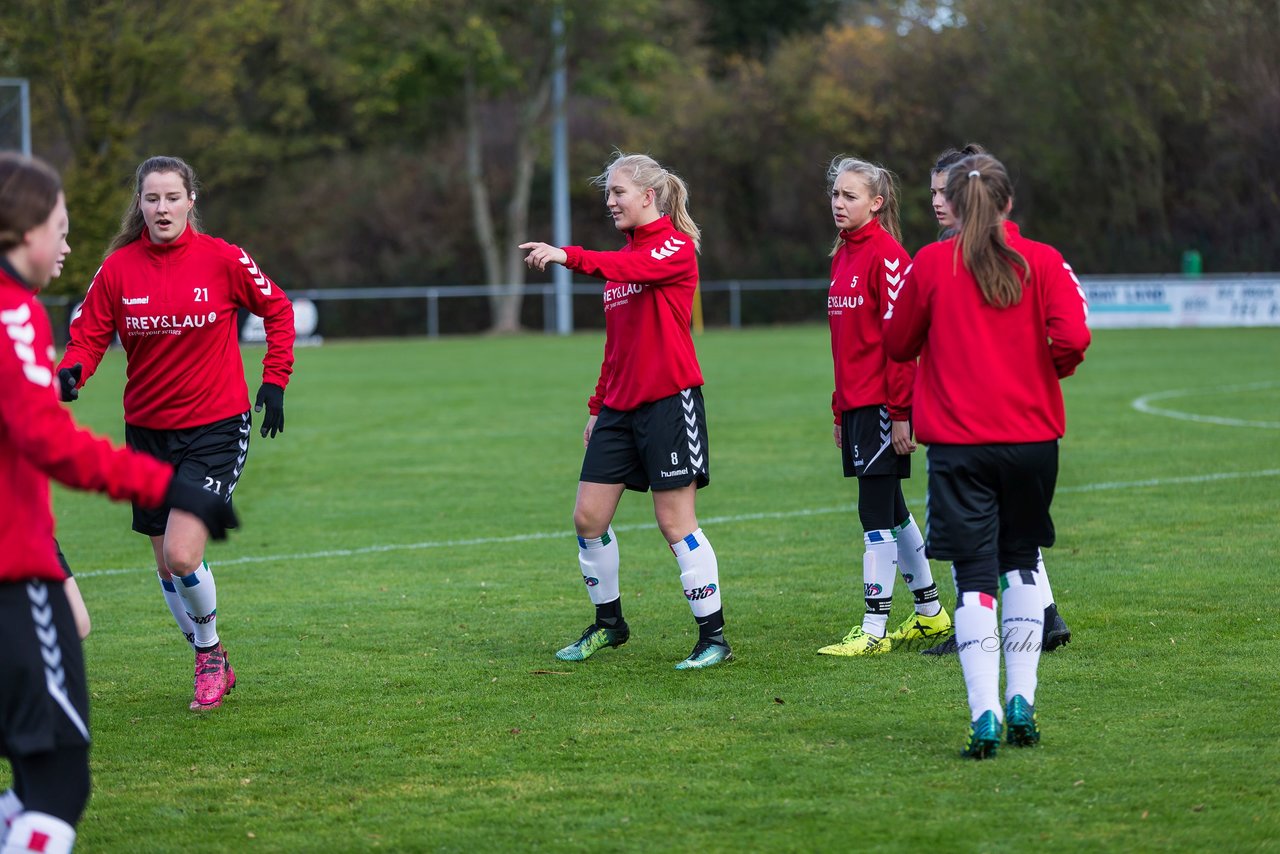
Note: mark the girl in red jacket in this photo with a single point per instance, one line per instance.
(172, 295)
(997, 320)
(872, 406)
(1056, 631)
(647, 425)
(44, 701)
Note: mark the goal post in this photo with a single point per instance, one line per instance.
(15, 115)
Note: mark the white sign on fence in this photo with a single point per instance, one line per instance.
(1133, 304)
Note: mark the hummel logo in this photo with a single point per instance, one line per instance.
(669, 248)
(263, 283)
(136, 300)
(894, 265)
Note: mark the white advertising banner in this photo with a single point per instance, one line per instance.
(1116, 303)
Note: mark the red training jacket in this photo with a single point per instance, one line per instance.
(989, 375)
(866, 278)
(648, 301)
(38, 441)
(174, 306)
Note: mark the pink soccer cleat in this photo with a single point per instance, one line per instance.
(214, 678)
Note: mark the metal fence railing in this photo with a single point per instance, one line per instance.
(1114, 301)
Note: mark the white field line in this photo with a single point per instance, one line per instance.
(715, 520)
(1144, 404)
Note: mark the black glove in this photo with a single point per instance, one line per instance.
(209, 507)
(271, 396)
(68, 379)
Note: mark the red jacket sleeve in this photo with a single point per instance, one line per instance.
(675, 263)
(43, 433)
(256, 292)
(1066, 311)
(93, 328)
(906, 323)
(899, 376)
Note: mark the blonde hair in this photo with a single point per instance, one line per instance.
(670, 192)
(131, 224)
(979, 191)
(880, 181)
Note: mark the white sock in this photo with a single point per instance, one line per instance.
(878, 575)
(10, 808)
(975, 622)
(39, 832)
(177, 608)
(200, 597)
(1022, 628)
(914, 567)
(598, 559)
(1046, 592)
(699, 573)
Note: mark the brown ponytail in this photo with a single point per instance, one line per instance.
(979, 192)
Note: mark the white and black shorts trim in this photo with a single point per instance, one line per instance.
(866, 444)
(44, 701)
(212, 456)
(659, 445)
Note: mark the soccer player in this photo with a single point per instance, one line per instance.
(872, 405)
(1056, 632)
(44, 702)
(647, 425)
(172, 294)
(997, 321)
(74, 598)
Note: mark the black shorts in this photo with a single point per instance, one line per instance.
(44, 702)
(986, 500)
(211, 456)
(866, 444)
(661, 445)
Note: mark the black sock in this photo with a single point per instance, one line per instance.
(711, 627)
(609, 615)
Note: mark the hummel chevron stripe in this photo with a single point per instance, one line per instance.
(263, 283)
(55, 678)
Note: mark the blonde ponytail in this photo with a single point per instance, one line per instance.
(670, 192)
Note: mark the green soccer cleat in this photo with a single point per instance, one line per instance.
(984, 737)
(858, 642)
(706, 654)
(920, 627)
(594, 639)
(1024, 728)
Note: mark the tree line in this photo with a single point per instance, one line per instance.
(388, 142)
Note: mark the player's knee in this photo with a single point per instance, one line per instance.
(182, 560)
(588, 524)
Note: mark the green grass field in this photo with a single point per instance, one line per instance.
(407, 567)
